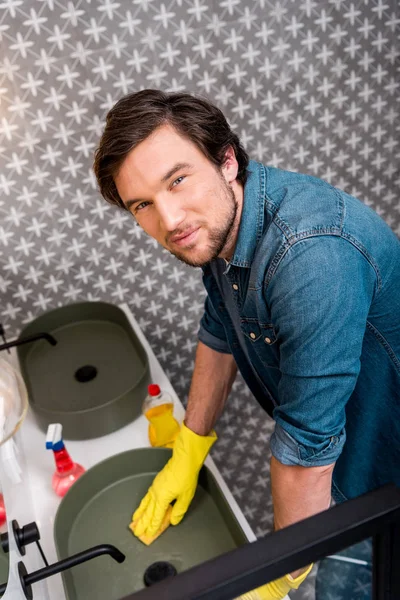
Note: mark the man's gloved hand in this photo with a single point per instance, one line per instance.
(177, 480)
(276, 590)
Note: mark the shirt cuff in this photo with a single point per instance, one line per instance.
(212, 341)
(290, 452)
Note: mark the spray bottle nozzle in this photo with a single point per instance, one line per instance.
(54, 439)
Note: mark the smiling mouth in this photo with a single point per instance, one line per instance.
(186, 240)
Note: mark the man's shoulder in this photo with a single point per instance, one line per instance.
(301, 203)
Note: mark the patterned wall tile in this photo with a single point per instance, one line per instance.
(309, 86)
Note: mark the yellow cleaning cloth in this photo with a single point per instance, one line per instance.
(149, 539)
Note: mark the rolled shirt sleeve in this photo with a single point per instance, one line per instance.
(320, 297)
(212, 332)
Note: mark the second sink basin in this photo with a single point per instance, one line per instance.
(94, 380)
(4, 566)
(98, 509)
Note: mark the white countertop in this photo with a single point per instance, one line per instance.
(40, 502)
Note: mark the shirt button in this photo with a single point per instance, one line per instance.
(253, 336)
(268, 340)
(235, 286)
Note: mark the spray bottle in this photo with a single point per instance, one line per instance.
(67, 471)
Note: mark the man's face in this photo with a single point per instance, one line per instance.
(180, 198)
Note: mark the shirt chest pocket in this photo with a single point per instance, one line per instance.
(261, 338)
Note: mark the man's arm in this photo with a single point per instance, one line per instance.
(320, 297)
(213, 376)
(299, 492)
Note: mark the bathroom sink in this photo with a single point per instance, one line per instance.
(98, 509)
(3, 567)
(94, 380)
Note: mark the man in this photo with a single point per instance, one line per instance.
(303, 296)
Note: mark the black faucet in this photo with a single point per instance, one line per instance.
(30, 533)
(27, 579)
(29, 338)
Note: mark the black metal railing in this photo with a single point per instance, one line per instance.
(375, 514)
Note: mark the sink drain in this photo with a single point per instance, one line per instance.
(157, 572)
(86, 373)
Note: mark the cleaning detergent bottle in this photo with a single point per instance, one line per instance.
(67, 471)
(158, 408)
(3, 516)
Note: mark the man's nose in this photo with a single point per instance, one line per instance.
(170, 213)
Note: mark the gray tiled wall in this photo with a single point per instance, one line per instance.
(309, 86)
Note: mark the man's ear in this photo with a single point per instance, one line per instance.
(230, 166)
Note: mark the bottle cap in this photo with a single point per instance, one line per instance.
(154, 389)
(54, 439)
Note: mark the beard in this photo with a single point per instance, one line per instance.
(219, 237)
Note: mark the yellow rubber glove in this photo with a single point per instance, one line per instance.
(276, 590)
(163, 427)
(177, 480)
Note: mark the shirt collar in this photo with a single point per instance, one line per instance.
(252, 218)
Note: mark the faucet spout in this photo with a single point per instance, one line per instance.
(72, 561)
(29, 338)
(76, 559)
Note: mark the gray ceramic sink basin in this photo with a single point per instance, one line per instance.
(98, 509)
(94, 380)
(3, 567)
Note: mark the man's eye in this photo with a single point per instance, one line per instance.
(178, 180)
(140, 206)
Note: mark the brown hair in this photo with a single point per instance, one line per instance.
(134, 117)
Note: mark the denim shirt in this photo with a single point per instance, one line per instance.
(309, 307)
